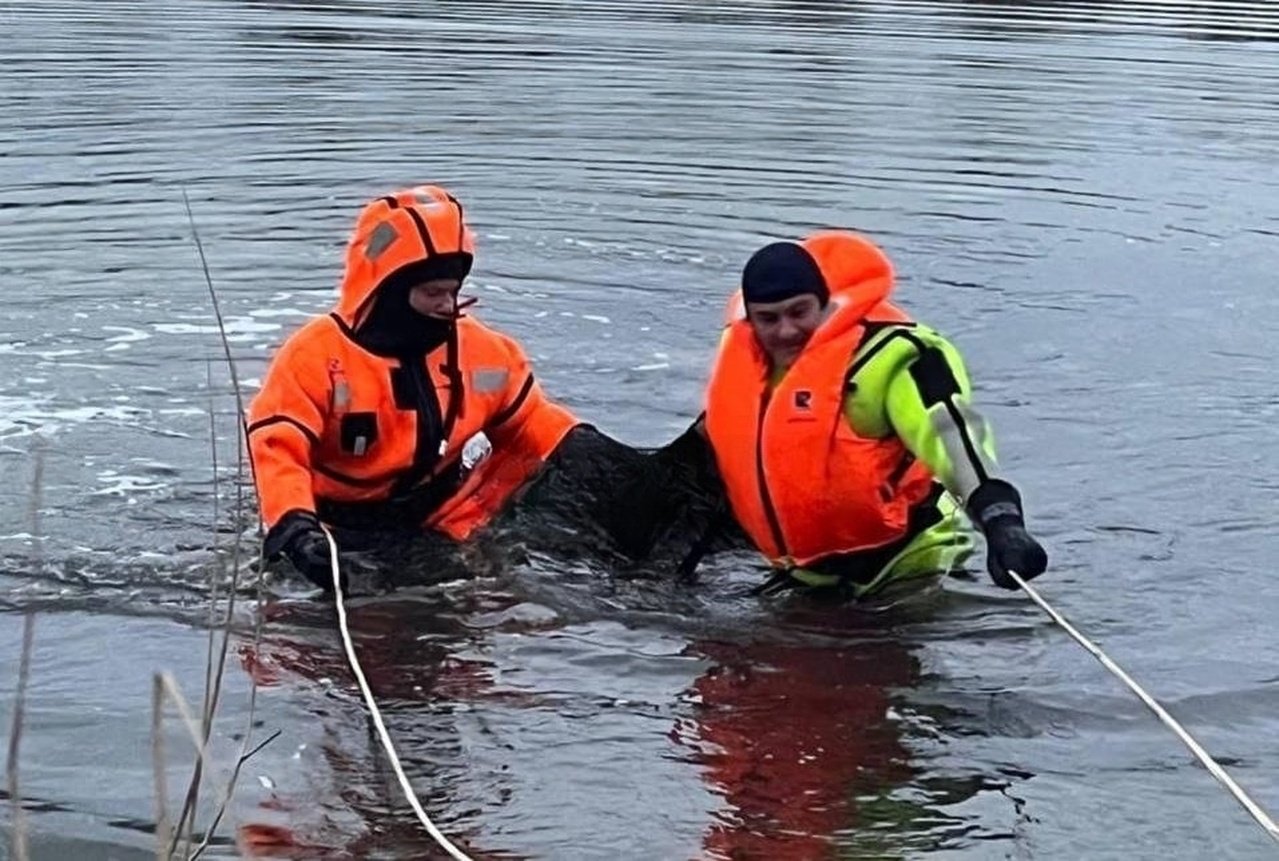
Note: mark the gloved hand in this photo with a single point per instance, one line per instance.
(995, 507)
(298, 536)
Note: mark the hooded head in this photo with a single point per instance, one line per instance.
(415, 238)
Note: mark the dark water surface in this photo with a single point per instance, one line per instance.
(1084, 195)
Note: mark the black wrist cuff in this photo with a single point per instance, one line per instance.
(286, 529)
(993, 501)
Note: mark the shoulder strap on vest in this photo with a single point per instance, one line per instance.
(871, 328)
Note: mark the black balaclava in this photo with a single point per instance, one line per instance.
(392, 327)
(781, 271)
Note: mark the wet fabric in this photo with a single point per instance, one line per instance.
(596, 500)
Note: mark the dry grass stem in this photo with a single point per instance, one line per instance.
(19, 842)
(215, 666)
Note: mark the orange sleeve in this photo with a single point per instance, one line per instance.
(285, 422)
(529, 423)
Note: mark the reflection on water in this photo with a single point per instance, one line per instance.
(1082, 194)
(798, 742)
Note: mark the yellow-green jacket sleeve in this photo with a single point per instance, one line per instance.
(910, 382)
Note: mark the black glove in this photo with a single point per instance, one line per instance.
(298, 536)
(995, 507)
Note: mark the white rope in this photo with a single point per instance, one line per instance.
(1169, 721)
(439, 838)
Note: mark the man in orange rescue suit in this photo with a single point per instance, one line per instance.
(844, 432)
(364, 412)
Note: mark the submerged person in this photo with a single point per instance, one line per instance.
(364, 415)
(844, 432)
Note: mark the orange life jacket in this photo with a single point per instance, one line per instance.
(335, 424)
(801, 483)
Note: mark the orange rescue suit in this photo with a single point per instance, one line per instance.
(801, 483)
(336, 426)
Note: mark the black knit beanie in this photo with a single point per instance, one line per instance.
(780, 271)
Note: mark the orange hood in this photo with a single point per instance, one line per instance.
(391, 232)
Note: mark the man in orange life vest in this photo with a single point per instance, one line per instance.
(364, 413)
(844, 432)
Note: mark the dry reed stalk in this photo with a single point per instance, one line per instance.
(158, 765)
(245, 752)
(214, 675)
(165, 687)
(19, 844)
(191, 803)
(19, 822)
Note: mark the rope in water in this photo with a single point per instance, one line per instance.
(369, 701)
(1214, 768)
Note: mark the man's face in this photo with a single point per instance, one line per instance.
(783, 328)
(435, 298)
